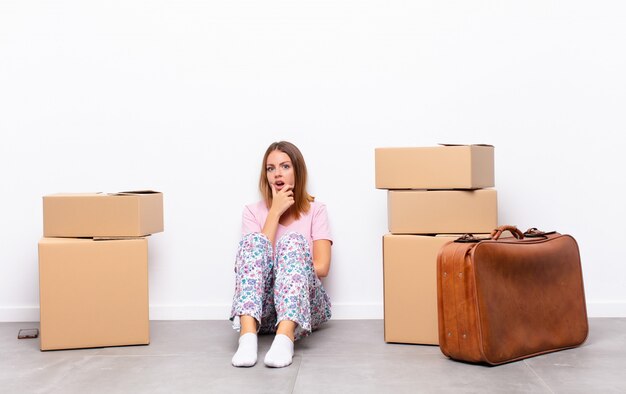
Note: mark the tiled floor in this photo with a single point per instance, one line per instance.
(347, 356)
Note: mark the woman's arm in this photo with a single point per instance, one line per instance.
(271, 225)
(321, 257)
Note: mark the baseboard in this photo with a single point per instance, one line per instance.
(606, 308)
(201, 312)
(345, 311)
(18, 314)
(219, 312)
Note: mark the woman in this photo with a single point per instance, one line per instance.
(284, 251)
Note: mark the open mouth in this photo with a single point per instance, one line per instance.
(279, 183)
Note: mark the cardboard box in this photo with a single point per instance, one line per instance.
(441, 167)
(410, 287)
(442, 211)
(126, 214)
(93, 293)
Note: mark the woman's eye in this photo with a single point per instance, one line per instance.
(286, 166)
(270, 169)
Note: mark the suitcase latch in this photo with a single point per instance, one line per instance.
(467, 238)
(536, 233)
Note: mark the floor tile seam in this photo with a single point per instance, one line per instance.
(211, 354)
(295, 378)
(547, 386)
(56, 385)
(368, 355)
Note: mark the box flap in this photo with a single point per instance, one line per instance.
(118, 238)
(126, 193)
(442, 144)
(135, 192)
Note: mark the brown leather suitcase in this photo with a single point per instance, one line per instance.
(505, 299)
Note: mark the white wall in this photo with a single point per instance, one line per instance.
(183, 97)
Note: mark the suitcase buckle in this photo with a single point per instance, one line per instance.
(536, 233)
(468, 238)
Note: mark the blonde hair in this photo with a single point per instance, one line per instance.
(301, 197)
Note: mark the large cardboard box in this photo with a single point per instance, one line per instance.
(442, 211)
(410, 287)
(93, 293)
(126, 214)
(440, 167)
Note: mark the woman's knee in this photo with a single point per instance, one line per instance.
(293, 253)
(254, 240)
(255, 243)
(292, 241)
(254, 250)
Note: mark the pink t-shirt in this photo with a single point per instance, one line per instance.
(313, 225)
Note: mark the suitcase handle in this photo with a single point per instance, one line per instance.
(495, 234)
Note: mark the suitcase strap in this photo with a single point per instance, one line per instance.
(469, 238)
(535, 233)
(495, 234)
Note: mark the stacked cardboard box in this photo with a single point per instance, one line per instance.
(93, 268)
(435, 194)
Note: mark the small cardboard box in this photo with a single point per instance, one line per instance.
(125, 214)
(93, 293)
(410, 287)
(440, 167)
(442, 211)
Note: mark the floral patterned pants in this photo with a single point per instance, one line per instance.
(281, 287)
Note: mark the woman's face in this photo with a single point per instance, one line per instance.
(279, 170)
